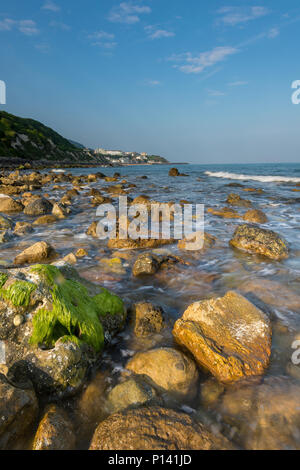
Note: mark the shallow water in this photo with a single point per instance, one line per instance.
(272, 285)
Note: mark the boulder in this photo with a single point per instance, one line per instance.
(228, 336)
(18, 411)
(174, 172)
(55, 431)
(146, 319)
(236, 200)
(40, 206)
(145, 264)
(5, 223)
(225, 212)
(131, 392)
(60, 211)
(253, 239)
(66, 322)
(40, 251)
(255, 216)
(45, 220)
(8, 204)
(167, 369)
(5, 236)
(197, 241)
(23, 228)
(154, 428)
(264, 416)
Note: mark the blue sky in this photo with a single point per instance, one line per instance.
(197, 81)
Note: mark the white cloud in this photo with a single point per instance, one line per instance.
(216, 93)
(101, 35)
(232, 16)
(273, 33)
(153, 83)
(127, 12)
(238, 83)
(27, 27)
(60, 25)
(51, 6)
(103, 39)
(198, 63)
(7, 24)
(154, 32)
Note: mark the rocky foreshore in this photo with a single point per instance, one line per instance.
(87, 366)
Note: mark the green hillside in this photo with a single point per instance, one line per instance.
(31, 140)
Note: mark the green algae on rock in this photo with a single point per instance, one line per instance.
(18, 293)
(73, 311)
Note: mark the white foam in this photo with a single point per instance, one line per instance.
(263, 179)
(58, 171)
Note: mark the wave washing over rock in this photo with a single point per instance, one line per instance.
(263, 179)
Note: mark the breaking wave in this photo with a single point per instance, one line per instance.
(262, 178)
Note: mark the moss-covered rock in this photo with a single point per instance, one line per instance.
(66, 322)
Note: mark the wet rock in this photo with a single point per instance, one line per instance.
(5, 223)
(23, 228)
(70, 258)
(197, 241)
(210, 392)
(113, 265)
(129, 244)
(81, 252)
(40, 251)
(267, 291)
(40, 206)
(145, 264)
(67, 320)
(226, 212)
(264, 416)
(131, 392)
(92, 230)
(146, 319)
(18, 411)
(55, 431)
(8, 204)
(228, 336)
(174, 172)
(45, 220)
(255, 216)
(154, 428)
(167, 369)
(236, 200)
(60, 211)
(264, 242)
(4, 236)
(71, 193)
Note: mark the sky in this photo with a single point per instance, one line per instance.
(193, 81)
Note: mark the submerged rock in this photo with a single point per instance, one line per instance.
(264, 416)
(146, 319)
(5, 223)
(145, 264)
(236, 200)
(55, 431)
(40, 251)
(66, 321)
(154, 428)
(174, 172)
(23, 228)
(255, 216)
(45, 220)
(226, 212)
(264, 242)
(131, 392)
(168, 369)
(18, 411)
(197, 241)
(228, 336)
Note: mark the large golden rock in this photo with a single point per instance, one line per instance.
(228, 336)
(40, 251)
(167, 369)
(55, 431)
(155, 428)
